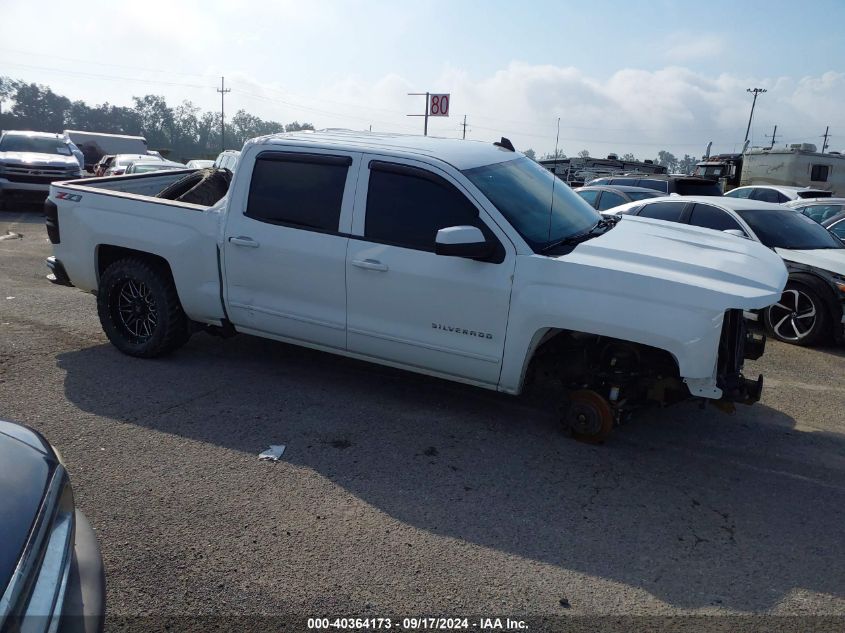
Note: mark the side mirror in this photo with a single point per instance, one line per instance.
(737, 232)
(462, 241)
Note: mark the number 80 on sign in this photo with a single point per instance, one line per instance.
(438, 105)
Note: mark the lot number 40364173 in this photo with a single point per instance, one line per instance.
(438, 105)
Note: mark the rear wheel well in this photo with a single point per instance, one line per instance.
(108, 254)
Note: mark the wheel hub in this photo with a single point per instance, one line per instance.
(589, 417)
(137, 310)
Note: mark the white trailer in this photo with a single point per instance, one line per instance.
(798, 165)
(95, 145)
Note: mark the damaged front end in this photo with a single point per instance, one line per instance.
(736, 345)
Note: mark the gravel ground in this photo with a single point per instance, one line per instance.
(404, 495)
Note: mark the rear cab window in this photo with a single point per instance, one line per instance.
(303, 191)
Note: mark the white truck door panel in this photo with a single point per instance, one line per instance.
(285, 247)
(408, 305)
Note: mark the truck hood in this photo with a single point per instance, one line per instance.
(830, 259)
(684, 265)
(35, 159)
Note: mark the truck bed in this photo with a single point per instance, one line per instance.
(99, 220)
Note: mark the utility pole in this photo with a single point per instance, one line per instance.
(755, 92)
(427, 95)
(464, 125)
(825, 137)
(223, 90)
(774, 135)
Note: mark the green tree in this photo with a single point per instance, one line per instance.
(687, 164)
(629, 157)
(668, 160)
(296, 126)
(40, 108)
(584, 153)
(530, 153)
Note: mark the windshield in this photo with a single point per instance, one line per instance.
(708, 170)
(39, 145)
(521, 190)
(786, 229)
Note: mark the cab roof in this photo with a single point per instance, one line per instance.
(461, 154)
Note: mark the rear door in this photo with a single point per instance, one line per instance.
(408, 305)
(285, 249)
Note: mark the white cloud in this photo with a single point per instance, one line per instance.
(687, 46)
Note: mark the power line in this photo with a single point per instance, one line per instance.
(773, 136)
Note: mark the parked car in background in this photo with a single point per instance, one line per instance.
(95, 145)
(103, 164)
(51, 570)
(836, 225)
(227, 160)
(145, 166)
(122, 161)
(818, 209)
(30, 161)
(776, 193)
(665, 184)
(199, 164)
(603, 197)
(812, 307)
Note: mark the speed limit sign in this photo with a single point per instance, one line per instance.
(438, 105)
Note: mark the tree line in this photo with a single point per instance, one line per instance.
(181, 132)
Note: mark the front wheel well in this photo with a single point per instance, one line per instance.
(568, 360)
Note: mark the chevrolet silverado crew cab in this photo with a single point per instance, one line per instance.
(458, 259)
(30, 161)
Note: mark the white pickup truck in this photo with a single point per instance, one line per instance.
(459, 259)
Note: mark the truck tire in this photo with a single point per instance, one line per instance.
(139, 309)
(205, 187)
(800, 317)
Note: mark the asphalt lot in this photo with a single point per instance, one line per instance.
(404, 495)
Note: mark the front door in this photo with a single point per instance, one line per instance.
(285, 248)
(408, 305)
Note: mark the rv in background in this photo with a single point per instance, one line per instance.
(796, 165)
(95, 145)
(576, 171)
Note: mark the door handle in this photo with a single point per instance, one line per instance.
(244, 241)
(369, 264)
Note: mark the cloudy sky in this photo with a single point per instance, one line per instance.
(622, 76)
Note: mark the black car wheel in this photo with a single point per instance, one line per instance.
(800, 317)
(139, 309)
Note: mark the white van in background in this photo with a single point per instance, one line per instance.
(95, 145)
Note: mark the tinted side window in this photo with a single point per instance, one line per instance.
(819, 173)
(670, 211)
(764, 195)
(610, 200)
(710, 217)
(629, 182)
(658, 185)
(589, 196)
(299, 190)
(839, 229)
(407, 206)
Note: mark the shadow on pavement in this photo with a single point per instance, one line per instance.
(694, 506)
